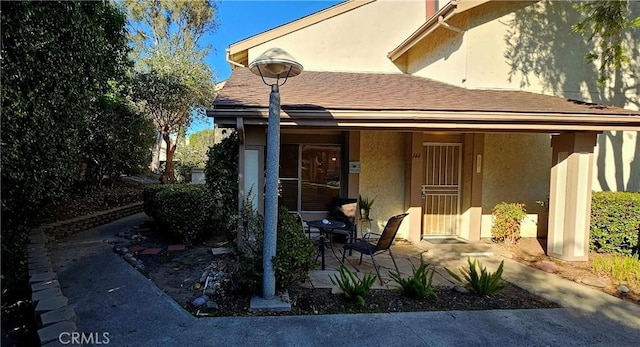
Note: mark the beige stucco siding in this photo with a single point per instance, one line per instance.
(530, 46)
(516, 169)
(617, 149)
(441, 57)
(525, 46)
(382, 175)
(356, 41)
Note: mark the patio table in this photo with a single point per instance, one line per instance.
(327, 226)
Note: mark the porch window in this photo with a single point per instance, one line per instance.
(309, 176)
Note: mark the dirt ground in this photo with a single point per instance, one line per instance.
(180, 275)
(531, 251)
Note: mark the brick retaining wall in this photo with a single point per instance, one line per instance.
(68, 227)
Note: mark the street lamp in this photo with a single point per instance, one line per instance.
(278, 64)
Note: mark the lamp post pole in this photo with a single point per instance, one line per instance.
(278, 64)
(271, 194)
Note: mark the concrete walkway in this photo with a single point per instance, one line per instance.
(110, 297)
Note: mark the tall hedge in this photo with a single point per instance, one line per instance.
(615, 222)
(58, 59)
(221, 174)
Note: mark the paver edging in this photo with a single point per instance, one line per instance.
(43, 278)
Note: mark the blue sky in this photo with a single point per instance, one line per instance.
(240, 19)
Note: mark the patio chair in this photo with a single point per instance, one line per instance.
(364, 246)
(305, 228)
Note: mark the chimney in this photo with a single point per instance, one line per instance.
(432, 6)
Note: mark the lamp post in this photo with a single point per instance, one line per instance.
(279, 65)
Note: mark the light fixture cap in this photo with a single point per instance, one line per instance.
(275, 63)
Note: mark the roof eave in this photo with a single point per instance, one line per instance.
(435, 21)
(443, 120)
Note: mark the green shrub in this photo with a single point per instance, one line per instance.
(623, 268)
(352, 287)
(221, 174)
(186, 210)
(149, 197)
(295, 252)
(247, 277)
(507, 218)
(615, 222)
(486, 283)
(417, 286)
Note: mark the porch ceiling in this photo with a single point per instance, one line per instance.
(399, 101)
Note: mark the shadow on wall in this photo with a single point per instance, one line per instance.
(537, 56)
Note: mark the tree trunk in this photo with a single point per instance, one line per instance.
(155, 163)
(169, 175)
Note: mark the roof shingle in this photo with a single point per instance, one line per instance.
(375, 91)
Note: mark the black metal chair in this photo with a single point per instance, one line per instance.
(364, 246)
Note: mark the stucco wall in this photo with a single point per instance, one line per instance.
(530, 46)
(354, 41)
(619, 149)
(382, 175)
(516, 169)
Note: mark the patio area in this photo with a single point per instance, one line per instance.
(440, 253)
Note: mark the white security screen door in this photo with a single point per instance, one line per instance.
(441, 189)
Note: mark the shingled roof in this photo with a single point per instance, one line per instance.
(393, 92)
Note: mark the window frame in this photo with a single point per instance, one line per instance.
(343, 172)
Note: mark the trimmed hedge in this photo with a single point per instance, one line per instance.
(182, 210)
(149, 197)
(615, 222)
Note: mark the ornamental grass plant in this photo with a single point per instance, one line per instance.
(478, 280)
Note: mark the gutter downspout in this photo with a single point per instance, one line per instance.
(445, 14)
(442, 23)
(231, 62)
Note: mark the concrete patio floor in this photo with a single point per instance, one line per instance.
(438, 255)
(108, 295)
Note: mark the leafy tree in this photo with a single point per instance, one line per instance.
(606, 22)
(119, 141)
(166, 38)
(57, 59)
(193, 151)
(165, 99)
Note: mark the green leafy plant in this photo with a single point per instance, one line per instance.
(295, 252)
(183, 210)
(149, 197)
(365, 205)
(480, 282)
(221, 174)
(615, 222)
(507, 218)
(247, 276)
(623, 268)
(352, 287)
(417, 286)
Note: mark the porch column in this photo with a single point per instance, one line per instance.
(414, 192)
(354, 157)
(475, 210)
(570, 196)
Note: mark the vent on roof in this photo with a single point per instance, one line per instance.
(590, 104)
